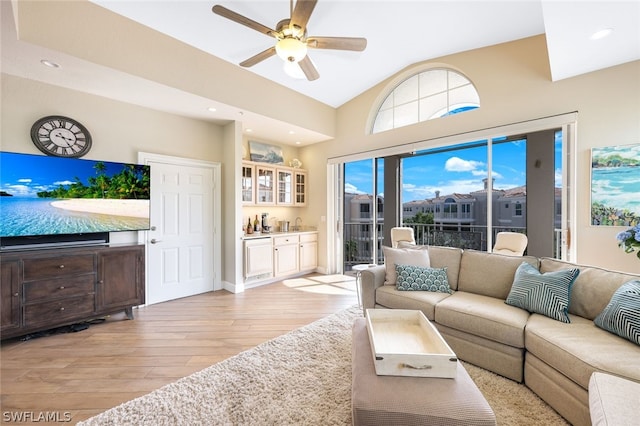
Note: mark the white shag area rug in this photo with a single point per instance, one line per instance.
(300, 378)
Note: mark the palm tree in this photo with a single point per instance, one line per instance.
(101, 180)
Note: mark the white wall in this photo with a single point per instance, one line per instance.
(119, 130)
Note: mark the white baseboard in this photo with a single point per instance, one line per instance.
(233, 288)
(240, 287)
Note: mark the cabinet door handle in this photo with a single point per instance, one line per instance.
(61, 266)
(61, 309)
(16, 294)
(61, 287)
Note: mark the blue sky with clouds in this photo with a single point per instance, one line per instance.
(24, 175)
(459, 170)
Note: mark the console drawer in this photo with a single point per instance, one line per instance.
(286, 239)
(56, 312)
(59, 288)
(308, 238)
(57, 266)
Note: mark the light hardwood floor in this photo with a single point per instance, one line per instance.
(84, 373)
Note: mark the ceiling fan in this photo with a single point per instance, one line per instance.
(292, 40)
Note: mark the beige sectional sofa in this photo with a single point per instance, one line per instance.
(554, 359)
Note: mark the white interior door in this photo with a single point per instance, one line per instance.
(180, 244)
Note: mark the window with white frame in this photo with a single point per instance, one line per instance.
(424, 96)
(518, 209)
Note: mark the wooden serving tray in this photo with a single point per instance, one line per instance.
(405, 343)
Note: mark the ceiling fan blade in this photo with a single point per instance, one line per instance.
(308, 68)
(302, 12)
(259, 57)
(240, 19)
(338, 43)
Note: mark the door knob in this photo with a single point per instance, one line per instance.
(153, 241)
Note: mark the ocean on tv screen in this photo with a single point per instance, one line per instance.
(42, 195)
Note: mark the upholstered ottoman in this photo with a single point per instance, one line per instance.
(613, 401)
(395, 400)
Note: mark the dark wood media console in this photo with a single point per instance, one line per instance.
(52, 287)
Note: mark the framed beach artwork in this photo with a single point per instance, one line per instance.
(265, 153)
(615, 185)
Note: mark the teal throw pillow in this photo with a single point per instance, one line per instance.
(622, 315)
(546, 294)
(422, 279)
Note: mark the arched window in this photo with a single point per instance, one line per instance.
(424, 96)
(450, 207)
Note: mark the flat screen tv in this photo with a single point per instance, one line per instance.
(53, 200)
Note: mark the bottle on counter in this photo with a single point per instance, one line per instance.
(249, 227)
(256, 225)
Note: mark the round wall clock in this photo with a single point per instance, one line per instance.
(60, 136)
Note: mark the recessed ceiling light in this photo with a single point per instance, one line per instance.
(249, 130)
(601, 33)
(49, 63)
(297, 142)
(291, 132)
(212, 109)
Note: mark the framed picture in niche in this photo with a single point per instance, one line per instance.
(265, 153)
(615, 186)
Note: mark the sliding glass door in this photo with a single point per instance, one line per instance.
(461, 194)
(363, 195)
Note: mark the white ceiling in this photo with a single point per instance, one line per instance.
(399, 33)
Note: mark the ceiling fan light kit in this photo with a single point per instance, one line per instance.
(291, 49)
(292, 41)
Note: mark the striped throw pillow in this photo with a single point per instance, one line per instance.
(622, 315)
(546, 294)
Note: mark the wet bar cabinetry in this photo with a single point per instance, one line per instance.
(286, 254)
(270, 184)
(43, 289)
(279, 255)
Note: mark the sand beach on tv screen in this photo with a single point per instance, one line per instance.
(129, 208)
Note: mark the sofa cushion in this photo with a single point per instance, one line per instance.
(405, 256)
(489, 274)
(622, 314)
(593, 288)
(441, 257)
(483, 316)
(546, 294)
(612, 400)
(425, 301)
(416, 278)
(579, 348)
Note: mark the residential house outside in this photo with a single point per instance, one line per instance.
(459, 220)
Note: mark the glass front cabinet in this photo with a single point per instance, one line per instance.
(248, 189)
(266, 186)
(300, 187)
(285, 187)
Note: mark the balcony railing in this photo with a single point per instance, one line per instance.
(359, 244)
(358, 240)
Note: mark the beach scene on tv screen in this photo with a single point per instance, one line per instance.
(41, 195)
